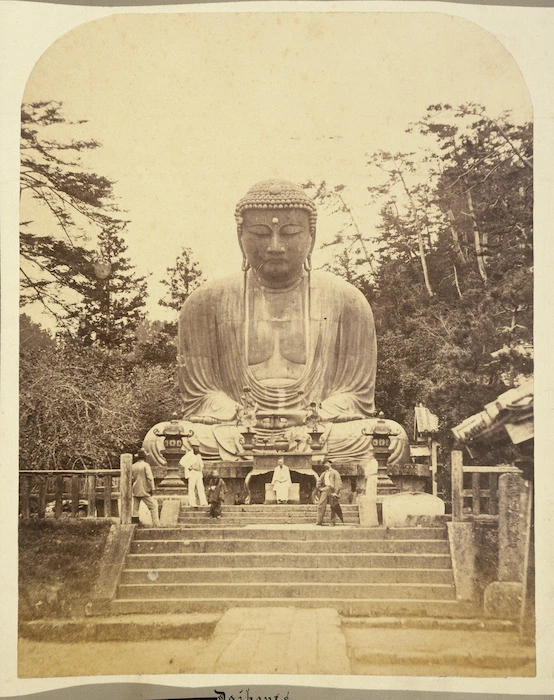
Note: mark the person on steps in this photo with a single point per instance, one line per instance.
(197, 494)
(216, 494)
(329, 485)
(143, 488)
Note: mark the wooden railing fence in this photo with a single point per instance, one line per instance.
(475, 489)
(91, 492)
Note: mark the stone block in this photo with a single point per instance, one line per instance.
(503, 599)
(170, 512)
(463, 551)
(111, 566)
(400, 509)
(367, 509)
(514, 522)
(294, 493)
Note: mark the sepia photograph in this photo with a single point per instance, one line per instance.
(276, 397)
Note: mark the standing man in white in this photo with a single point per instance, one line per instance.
(194, 466)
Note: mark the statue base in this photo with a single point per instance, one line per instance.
(171, 490)
(300, 464)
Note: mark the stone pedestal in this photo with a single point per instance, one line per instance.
(514, 498)
(367, 503)
(265, 461)
(409, 477)
(169, 516)
(412, 508)
(463, 552)
(294, 493)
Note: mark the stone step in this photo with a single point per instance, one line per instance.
(265, 512)
(323, 546)
(471, 624)
(226, 532)
(329, 591)
(291, 575)
(440, 663)
(281, 512)
(433, 651)
(346, 607)
(268, 508)
(235, 512)
(288, 560)
(218, 523)
(129, 628)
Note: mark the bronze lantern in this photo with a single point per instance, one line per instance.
(381, 444)
(173, 451)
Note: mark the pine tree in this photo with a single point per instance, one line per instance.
(113, 304)
(183, 278)
(65, 207)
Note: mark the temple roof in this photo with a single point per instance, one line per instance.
(510, 413)
(426, 423)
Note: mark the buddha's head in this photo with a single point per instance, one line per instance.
(276, 229)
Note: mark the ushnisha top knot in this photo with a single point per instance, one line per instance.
(276, 194)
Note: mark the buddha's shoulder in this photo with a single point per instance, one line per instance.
(212, 292)
(215, 289)
(334, 286)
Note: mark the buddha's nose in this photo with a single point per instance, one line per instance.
(275, 244)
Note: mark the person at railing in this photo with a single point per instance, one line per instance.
(143, 488)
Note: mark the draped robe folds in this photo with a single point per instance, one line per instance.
(339, 371)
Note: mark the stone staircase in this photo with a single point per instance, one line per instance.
(242, 516)
(275, 556)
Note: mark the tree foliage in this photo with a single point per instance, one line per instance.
(183, 278)
(452, 293)
(81, 408)
(354, 258)
(113, 303)
(76, 224)
(156, 344)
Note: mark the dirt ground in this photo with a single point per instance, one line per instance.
(395, 652)
(49, 659)
(372, 652)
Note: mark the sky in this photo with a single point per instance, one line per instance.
(192, 109)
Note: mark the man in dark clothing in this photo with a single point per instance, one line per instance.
(216, 494)
(334, 502)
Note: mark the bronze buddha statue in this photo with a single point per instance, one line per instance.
(287, 334)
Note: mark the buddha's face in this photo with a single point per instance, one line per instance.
(276, 242)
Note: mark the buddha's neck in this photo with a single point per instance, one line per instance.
(281, 288)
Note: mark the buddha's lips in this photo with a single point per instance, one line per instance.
(276, 259)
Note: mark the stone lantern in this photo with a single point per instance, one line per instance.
(173, 452)
(380, 441)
